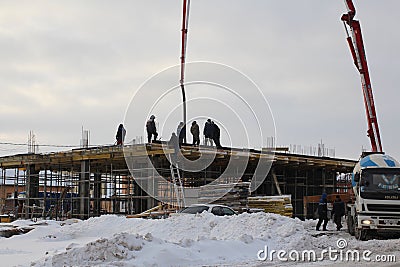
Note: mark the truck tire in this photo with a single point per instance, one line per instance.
(360, 234)
(350, 225)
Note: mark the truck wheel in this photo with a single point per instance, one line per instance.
(350, 225)
(357, 234)
(361, 234)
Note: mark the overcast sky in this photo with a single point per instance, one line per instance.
(68, 64)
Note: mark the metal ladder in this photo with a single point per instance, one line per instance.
(178, 186)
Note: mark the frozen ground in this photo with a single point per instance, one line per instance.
(201, 240)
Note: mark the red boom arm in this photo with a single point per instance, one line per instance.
(356, 45)
(185, 23)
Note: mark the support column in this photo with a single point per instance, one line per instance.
(140, 204)
(45, 205)
(32, 188)
(115, 195)
(97, 194)
(323, 175)
(84, 189)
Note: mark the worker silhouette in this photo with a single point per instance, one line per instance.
(216, 134)
(195, 130)
(120, 136)
(322, 212)
(174, 143)
(151, 129)
(338, 211)
(181, 132)
(208, 133)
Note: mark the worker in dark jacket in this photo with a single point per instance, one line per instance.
(181, 132)
(174, 143)
(151, 129)
(216, 135)
(195, 130)
(323, 212)
(120, 136)
(208, 132)
(338, 212)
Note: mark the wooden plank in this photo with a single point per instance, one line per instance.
(278, 188)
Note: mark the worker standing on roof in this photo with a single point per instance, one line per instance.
(208, 133)
(216, 134)
(174, 143)
(181, 132)
(151, 129)
(121, 132)
(323, 212)
(196, 133)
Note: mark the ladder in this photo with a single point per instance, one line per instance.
(178, 185)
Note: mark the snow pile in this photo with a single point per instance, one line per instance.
(111, 251)
(198, 227)
(186, 240)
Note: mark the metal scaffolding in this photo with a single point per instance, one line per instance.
(93, 181)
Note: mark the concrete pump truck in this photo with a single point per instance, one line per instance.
(375, 179)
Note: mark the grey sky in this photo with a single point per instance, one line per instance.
(73, 63)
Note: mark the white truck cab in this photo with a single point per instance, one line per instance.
(375, 182)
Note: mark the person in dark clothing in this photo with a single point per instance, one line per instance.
(121, 132)
(208, 132)
(323, 212)
(195, 130)
(181, 132)
(216, 135)
(151, 129)
(174, 143)
(338, 212)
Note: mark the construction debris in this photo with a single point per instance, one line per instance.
(235, 197)
(160, 211)
(272, 204)
(9, 230)
(6, 218)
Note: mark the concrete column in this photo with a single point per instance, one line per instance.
(84, 189)
(97, 194)
(323, 174)
(32, 187)
(140, 204)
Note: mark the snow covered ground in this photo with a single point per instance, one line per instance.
(188, 240)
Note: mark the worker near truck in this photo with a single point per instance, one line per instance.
(338, 212)
(322, 212)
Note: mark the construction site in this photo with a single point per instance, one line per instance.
(93, 181)
(137, 179)
(194, 175)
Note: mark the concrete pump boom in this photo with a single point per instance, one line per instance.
(185, 24)
(356, 45)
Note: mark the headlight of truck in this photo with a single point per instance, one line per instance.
(367, 222)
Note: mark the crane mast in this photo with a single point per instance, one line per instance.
(357, 50)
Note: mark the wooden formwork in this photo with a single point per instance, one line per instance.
(101, 181)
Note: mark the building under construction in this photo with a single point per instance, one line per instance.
(92, 181)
